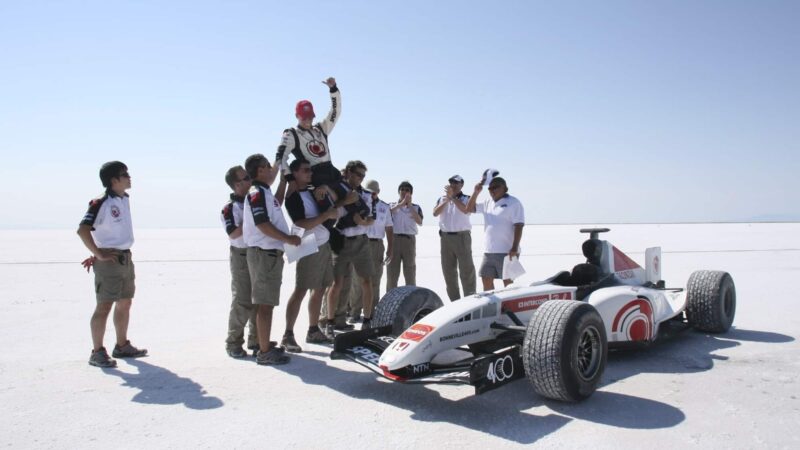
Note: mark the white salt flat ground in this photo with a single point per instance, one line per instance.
(737, 390)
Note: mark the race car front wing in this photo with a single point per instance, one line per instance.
(483, 371)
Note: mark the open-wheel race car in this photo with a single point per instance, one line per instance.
(555, 332)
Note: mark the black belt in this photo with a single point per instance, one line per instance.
(117, 250)
(272, 251)
(404, 235)
(375, 239)
(454, 232)
(355, 237)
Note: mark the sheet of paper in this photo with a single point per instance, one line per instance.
(308, 245)
(512, 268)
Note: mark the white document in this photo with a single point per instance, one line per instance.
(512, 268)
(308, 245)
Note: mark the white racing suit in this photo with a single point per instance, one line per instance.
(312, 145)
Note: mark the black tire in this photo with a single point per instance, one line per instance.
(402, 306)
(565, 350)
(710, 301)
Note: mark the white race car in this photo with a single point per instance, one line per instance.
(555, 332)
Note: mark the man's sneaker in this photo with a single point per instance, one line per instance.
(128, 351)
(237, 352)
(329, 332)
(366, 323)
(99, 358)
(273, 357)
(343, 327)
(317, 337)
(290, 344)
(272, 344)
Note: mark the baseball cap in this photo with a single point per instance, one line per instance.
(373, 185)
(455, 179)
(304, 110)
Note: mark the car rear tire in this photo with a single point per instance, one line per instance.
(402, 306)
(710, 301)
(565, 349)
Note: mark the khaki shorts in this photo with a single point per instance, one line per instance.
(114, 280)
(266, 270)
(315, 271)
(356, 252)
(492, 265)
(240, 277)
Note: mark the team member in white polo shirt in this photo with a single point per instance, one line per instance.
(265, 231)
(242, 309)
(107, 231)
(315, 271)
(382, 227)
(455, 238)
(406, 216)
(503, 219)
(354, 218)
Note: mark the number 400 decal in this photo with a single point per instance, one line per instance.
(501, 369)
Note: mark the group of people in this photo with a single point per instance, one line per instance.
(348, 221)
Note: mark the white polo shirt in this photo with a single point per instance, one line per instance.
(260, 206)
(451, 219)
(499, 219)
(110, 219)
(231, 217)
(302, 205)
(402, 222)
(383, 220)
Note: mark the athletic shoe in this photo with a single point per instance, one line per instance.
(128, 351)
(100, 358)
(344, 327)
(366, 323)
(273, 357)
(329, 332)
(237, 352)
(317, 337)
(290, 344)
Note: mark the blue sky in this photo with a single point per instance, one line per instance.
(593, 111)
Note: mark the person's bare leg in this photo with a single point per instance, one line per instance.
(293, 307)
(264, 325)
(366, 297)
(314, 305)
(122, 314)
(333, 297)
(97, 324)
(488, 283)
